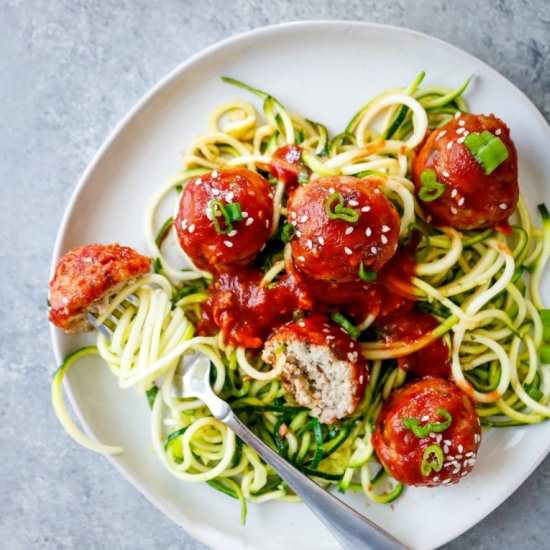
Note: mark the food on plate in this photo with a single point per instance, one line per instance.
(321, 366)
(224, 218)
(344, 228)
(368, 299)
(466, 173)
(428, 433)
(86, 277)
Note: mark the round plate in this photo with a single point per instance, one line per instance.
(325, 71)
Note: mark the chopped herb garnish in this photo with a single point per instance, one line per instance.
(488, 149)
(229, 212)
(367, 276)
(288, 231)
(334, 207)
(431, 189)
(345, 323)
(432, 460)
(151, 393)
(419, 430)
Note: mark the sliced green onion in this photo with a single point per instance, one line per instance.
(233, 210)
(431, 189)
(346, 324)
(488, 149)
(151, 394)
(288, 231)
(335, 209)
(229, 212)
(157, 265)
(367, 276)
(419, 430)
(432, 460)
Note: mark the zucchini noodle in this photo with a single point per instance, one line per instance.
(475, 283)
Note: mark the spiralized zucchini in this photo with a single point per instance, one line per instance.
(475, 283)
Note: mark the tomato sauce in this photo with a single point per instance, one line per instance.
(287, 166)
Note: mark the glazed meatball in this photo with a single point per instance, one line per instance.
(428, 433)
(287, 166)
(205, 232)
(343, 224)
(321, 366)
(472, 199)
(85, 277)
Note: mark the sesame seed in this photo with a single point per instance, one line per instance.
(321, 240)
(365, 209)
(450, 458)
(184, 224)
(229, 244)
(353, 202)
(425, 418)
(232, 233)
(329, 337)
(457, 115)
(331, 189)
(458, 457)
(298, 234)
(368, 231)
(461, 123)
(453, 210)
(303, 219)
(460, 130)
(309, 243)
(229, 196)
(469, 454)
(438, 438)
(461, 201)
(348, 251)
(440, 135)
(293, 215)
(215, 174)
(446, 481)
(373, 249)
(503, 206)
(267, 223)
(498, 131)
(301, 323)
(249, 221)
(215, 192)
(191, 228)
(447, 442)
(449, 145)
(431, 434)
(349, 230)
(435, 479)
(301, 258)
(461, 139)
(454, 193)
(464, 473)
(377, 191)
(385, 228)
(465, 133)
(446, 174)
(384, 239)
(244, 214)
(361, 379)
(445, 449)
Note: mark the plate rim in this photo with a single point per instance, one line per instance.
(211, 534)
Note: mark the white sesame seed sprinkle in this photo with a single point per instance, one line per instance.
(229, 196)
(331, 190)
(267, 223)
(453, 210)
(384, 239)
(461, 139)
(454, 193)
(440, 135)
(385, 228)
(303, 219)
(321, 240)
(446, 174)
(446, 481)
(244, 214)
(365, 209)
(449, 145)
(457, 115)
(184, 224)
(461, 123)
(215, 174)
(498, 131)
(368, 231)
(298, 234)
(309, 243)
(469, 454)
(461, 201)
(503, 206)
(460, 130)
(348, 251)
(301, 258)
(215, 192)
(353, 202)
(293, 215)
(460, 448)
(373, 249)
(229, 244)
(425, 418)
(329, 337)
(464, 473)
(349, 230)
(249, 221)
(232, 233)
(191, 228)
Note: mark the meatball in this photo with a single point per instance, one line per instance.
(203, 224)
(85, 277)
(472, 199)
(410, 326)
(428, 433)
(344, 225)
(287, 166)
(321, 366)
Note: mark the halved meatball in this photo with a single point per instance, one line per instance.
(204, 223)
(321, 366)
(343, 225)
(85, 277)
(428, 433)
(472, 199)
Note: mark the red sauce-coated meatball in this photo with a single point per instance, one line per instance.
(197, 232)
(409, 326)
(287, 166)
(84, 276)
(448, 454)
(333, 249)
(472, 199)
(321, 366)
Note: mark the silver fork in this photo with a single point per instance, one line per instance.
(352, 530)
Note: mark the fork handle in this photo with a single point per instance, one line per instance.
(351, 529)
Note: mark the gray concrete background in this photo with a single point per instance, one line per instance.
(69, 70)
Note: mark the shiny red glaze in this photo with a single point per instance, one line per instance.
(401, 451)
(397, 274)
(410, 326)
(196, 232)
(247, 312)
(286, 165)
(472, 199)
(84, 275)
(319, 330)
(332, 249)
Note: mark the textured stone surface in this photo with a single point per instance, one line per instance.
(68, 71)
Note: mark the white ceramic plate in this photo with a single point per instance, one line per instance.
(324, 70)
